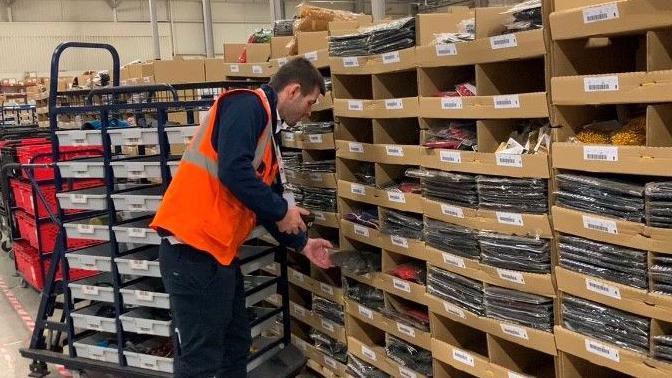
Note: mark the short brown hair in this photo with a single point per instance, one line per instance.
(299, 71)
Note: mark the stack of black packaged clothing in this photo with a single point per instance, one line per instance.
(378, 39)
(661, 274)
(658, 198)
(364, 294)
(517, 307)
(329, 346)
(606, 323)
(453, 188)
(367, 216)
(292, 159)
(320, 166)
(357, 261)
(402, 223)
(312, 127)
(283, 28)
(517, 195)
(457, 240)
(461, 291)
(525, 254)
(611, 262)
(329, 310)
(360, 369)
(409, 356)
(320, 199)
(603, 196)
(662, 347)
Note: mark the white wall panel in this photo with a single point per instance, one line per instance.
(188, 39)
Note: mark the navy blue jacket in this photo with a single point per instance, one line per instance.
(241, 120)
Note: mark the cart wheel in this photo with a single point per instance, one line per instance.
(6, 246)
(23, 283)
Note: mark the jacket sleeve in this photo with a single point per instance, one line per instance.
(241, 120)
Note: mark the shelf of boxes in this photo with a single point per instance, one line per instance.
(632, 89)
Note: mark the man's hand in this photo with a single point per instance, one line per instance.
(316, 251)
(292, 222)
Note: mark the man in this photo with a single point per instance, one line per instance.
(228, 181)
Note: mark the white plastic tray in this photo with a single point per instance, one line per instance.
(91, 289)
(137, 232)
(80, 138)
(140, 321)
(142, 263)
(94, 229)
(134, 136)
(84, 199)
(173, 167)
(180, 134)
(88, 348)
(82, 168)
(258, 296)
(141, 199)
(146, 361)
(91, 258)
(264, 325)
(86, 318)
(248, 252)
(137, 167)
(148, 293)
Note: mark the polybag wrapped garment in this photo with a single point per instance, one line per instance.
(518, 195)
(661, 274)
(329, 345)
(378, 39)
(360, 369)
(518, 307)
(456, 240)
(409, 356)
(454, 288)
(364, 294)
(658, 199)
(521, 253)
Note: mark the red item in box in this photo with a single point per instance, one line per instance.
(41, 154)
(23, 194)
(48, 232)
(28, 263)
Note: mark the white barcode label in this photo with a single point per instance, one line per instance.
(464, 357)
(391, 57)
(330, 362)
(401, 285)
(453, 260)
(515, 375)
(77, 198)
(604, 289)
(297, 275)
(142, 295)
(601, 225)
(394, 151)
(329, 326)
(137, 232)
(503, 41)
(600, 84)
(299, 310)
(600, 13)
(506, 102)
(406, 330)
(405, 373)
(234, 68)
(396, 197)
(368, 353)
(139, 264)
(356, 105)
(446, 49)
(361, 231)
(600, 153)
(311, 56)
(454, 310)
(451, 103)
(356, 147)
(136, 173)
(85, 229)
(452, 211)
(511, 275)
(602, 350)
(350, 61)
(319, 216)
(90, 290)
(282, 61)
(399, 241)
(512, 219)
(358, 189)
(447, 156)
(257, 69)
(508, 160)
(132, 141)
(315, 138)
(315, 176)
(326, 289)
(394, 104)
(289, 137)
(366, 312)
(514, 331)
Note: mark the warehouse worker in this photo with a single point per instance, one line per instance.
(228, 181)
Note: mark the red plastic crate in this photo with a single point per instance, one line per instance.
(48, 232)
(23, 194)
(41, 153)
(28, 263)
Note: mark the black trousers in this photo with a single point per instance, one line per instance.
(207, 301)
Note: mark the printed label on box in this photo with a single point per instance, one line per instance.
(396, 197)
(76, 198)
(600, 84)
(600, 153)
(350, 61)
(602, 350)
(401, 285)
(454, 310)
(406, 330)
(464, 357)
(506, 102)
(288, 136)
(297, 275)
(311, 56)
(299, 310)
(234, 68)
(90, 290)
(397, 151)
(329, 326)
(326, 289)
(512, 219)
(511, 275)
(356, 105)
(319, 216)
(509, 160)
(368, 353)
(600, 13)
(85, 229)
(356, 147)
(399, 241)
(257, 69)
(602, 288)
(453, 260)
(405, 373)
(330, 362)
(394, 104)
(358, 189)
(315, 138)
(451, 103)
(139, 264)
(136, 173)
(448, 156)
(137, 232)
(368, 313)
(515, 375)
(391, 57)
(446, 49)
(452, 211)
(361, 231)
(514, 331)
(503, 41)
(601, 225)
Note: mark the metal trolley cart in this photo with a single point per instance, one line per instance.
(117, 321)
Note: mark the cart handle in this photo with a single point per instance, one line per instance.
(131, 89)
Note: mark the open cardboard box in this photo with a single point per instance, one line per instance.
(410, 334)
(429, 25)
(308, 141)
(354, 231)
(574, 367)
(349, 185)
(393, 61)
(394, 199)
(409, 290)
(508, 359)
(461, 346)
(367, 342)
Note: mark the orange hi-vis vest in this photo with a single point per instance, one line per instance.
(197, 208)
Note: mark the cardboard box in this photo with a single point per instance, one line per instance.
(404, 246)
(312, 179)
(405, 289)
(455, 313)
(360, 233)
(379, 153)
(334, 294)
(325, 326)
(409, 202)
(232, 51)
(528, 337)
(258, 52)
(534, 166)
(326, 219)
(535, 283)
(394, 61)
(308, 141)
(175, 71)
(576, 19)
(358, 192)
(312, 41)
(251, 70)
(390, 108)
(319, 361)
(279, 47)
(324, 103)
(373, 355)
(625, 88)
(525, 105)
(430, 24)
(461, 359)
(319, 58)
(463, 266)
(215, 70)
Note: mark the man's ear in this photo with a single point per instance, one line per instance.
(294, 90)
